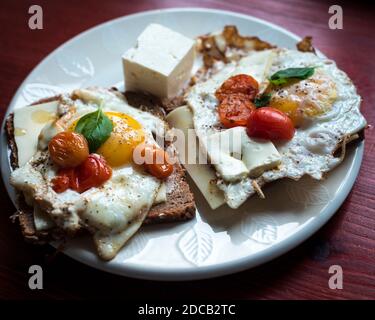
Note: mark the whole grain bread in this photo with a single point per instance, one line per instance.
(180, 203)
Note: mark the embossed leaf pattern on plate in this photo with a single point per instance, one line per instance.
(36, 91)
(196, 245)
(310, 192)
(135, 246)
(262, 229)
(75, 65)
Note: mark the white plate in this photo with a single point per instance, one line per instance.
(216, 242)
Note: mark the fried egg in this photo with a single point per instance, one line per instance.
(324, 109)
(114, 211)
(305, 99)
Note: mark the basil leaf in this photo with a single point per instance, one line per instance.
(96, 127)
(263, 100)
(282, 76)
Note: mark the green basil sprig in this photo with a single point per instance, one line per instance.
(283, 76)
(96, 127)
(262, 100)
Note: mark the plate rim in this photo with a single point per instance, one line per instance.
(217, 269)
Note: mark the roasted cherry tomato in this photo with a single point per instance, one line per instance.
(70, 173)
(270, 123)
(235, 110)
(241, 83)
(161, 168)
(60, 183)
(93, 172)
(68, 149)
(157, 161)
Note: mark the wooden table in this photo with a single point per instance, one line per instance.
(348, 239)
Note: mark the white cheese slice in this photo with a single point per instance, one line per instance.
(160, 62)
(236, 156)
(161, 196)
(202, 174)
(28, 123)
(259, 156)
(48, 132)
(222, 148)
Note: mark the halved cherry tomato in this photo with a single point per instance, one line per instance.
(93, 172)
(270, 123)
(70, 173)
(157, 161)
(235, 110)
(60, 183)
(241, 83)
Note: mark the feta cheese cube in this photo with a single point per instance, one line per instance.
(160, 63)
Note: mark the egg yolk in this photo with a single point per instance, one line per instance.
(127, 133)
(305, 99)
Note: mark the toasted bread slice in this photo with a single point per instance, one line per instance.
(180, 203)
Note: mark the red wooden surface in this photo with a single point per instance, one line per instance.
(348, 239)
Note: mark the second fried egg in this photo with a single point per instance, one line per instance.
(324, 109)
